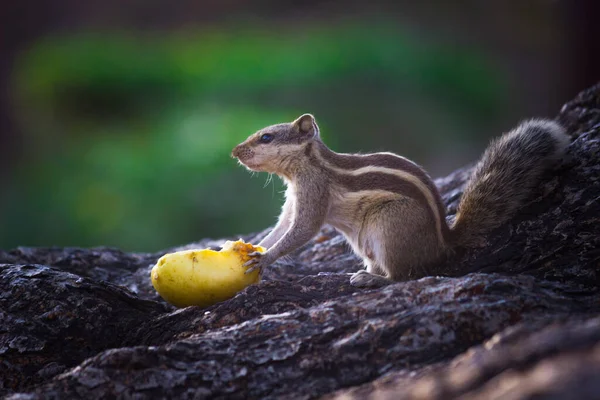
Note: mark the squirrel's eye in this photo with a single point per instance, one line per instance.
(266, 138)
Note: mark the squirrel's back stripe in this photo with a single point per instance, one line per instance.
(381, 182)
(385, 160)
(395, 181)
(386, 172)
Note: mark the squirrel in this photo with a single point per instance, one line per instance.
(386, 206)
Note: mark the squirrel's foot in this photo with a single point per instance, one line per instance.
(259, 261)
(364, 279)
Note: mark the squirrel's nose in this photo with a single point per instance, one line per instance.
(235, 152)
(241, 152)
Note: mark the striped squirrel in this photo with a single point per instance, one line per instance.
(387, 207)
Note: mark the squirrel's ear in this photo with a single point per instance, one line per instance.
(307, 125)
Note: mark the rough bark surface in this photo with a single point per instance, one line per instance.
(515, 319)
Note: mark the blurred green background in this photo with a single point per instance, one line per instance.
(124, 129)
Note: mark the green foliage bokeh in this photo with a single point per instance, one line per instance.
(128, 138)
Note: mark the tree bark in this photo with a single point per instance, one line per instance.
(515, 319)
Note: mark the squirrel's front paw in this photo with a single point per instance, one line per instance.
(258, 261)
(364, 279)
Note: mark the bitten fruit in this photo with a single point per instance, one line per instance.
(204, 277)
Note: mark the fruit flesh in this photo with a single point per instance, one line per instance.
(204, 277)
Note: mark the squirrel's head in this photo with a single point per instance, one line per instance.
(275, 148)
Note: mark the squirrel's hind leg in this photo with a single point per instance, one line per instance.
(401, 240)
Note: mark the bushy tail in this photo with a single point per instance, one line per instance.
(505, 177)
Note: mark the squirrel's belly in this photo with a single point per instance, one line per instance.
(343, 216)
(348, 210)
(342, 224)
(352, 234)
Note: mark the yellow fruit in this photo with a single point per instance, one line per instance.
(204, 277)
